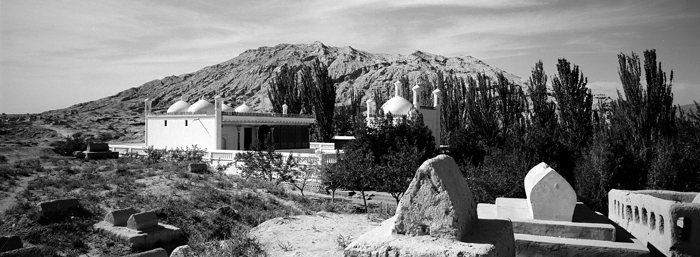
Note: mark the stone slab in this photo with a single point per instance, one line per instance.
(119, 217)
(586, 225)
(139, 239)
(97, 147)
(530, 245)
(158, 252)
(438, 202)
(142, 221)
(197, 168)
(549, 195)
(58, 206)
(489, 237)
(101, 155)
(9, 243)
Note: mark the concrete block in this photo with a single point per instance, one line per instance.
(119, 217)
(486, 238)
(437, 203)
(549, 196)
(58, 206)
(530, 245)
(142, 221)
(197, 168)
(158, 252)
(162, 233)
(98, 147)
(9, 243)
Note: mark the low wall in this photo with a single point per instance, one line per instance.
(665, 220)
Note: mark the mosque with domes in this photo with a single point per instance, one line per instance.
(399, 106)
(218, 126)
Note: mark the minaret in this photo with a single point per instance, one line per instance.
(416, 91)
(371, 104)
(437, 102)
(218, 101)
(397, 88)
(146, 111)
(285, 107)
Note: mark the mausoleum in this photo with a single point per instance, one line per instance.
(399, 106)
(218, 126)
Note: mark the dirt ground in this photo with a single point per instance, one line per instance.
(321, 234)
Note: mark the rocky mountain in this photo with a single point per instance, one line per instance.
(245, 78)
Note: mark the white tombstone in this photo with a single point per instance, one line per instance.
(549, 196)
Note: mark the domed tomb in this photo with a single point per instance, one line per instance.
(549, 196)
(202, 106)
(179, 106)
(397, 105)
(244, 108)
(226, 108)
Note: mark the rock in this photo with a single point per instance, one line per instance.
(549, 196)
(438, 202)
(9, 243)
(119, 217)
(48, 208)
(197, 168)
(79, 155)
(142, 221)
(181, 251)
(226, 211)
(158, 252)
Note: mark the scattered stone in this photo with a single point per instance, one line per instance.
(197, 168)
(549, 196)
(438, 202)
(142, 221)
(9, 243)
(158, 252)
(48, 208)
(119, 217)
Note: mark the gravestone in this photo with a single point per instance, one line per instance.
(142, 221)
(438, 202)
(549, 196)
(197, 168)
(119, 217)
(48, 208)
(96, 151)
(98, 147)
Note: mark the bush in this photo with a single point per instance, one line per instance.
(72, 143)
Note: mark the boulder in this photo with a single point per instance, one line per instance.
(142, 221)
(9, 243)
(197, 168)
(119, 217)
(438, 202)
(549, 196)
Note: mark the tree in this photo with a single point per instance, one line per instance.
(303, 175)
(319, 93)
(575, 103)
(267, 164)
(331, 178)
(285, 89)
(398, 169)
(357, 170)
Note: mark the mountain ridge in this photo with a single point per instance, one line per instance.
(245, 77)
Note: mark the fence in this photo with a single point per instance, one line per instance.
(666, 220)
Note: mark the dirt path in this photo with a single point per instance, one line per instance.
(10, 199)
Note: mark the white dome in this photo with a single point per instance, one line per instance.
(244, 108)
(202, 106)
(179, 106)
(226, 108)
(397, 106)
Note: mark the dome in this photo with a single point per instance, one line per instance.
(179, 106)
(244, 108)
(397, 106)
(202, 106)
(226, 108)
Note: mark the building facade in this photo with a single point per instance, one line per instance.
(220, 127)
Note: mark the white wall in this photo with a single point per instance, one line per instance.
(431, 118)
(199, 130)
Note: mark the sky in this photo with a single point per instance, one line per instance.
(54, 54)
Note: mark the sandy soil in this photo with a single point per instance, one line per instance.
(311, 235)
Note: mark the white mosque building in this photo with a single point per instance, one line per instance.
(218, 126)
(399, 106)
